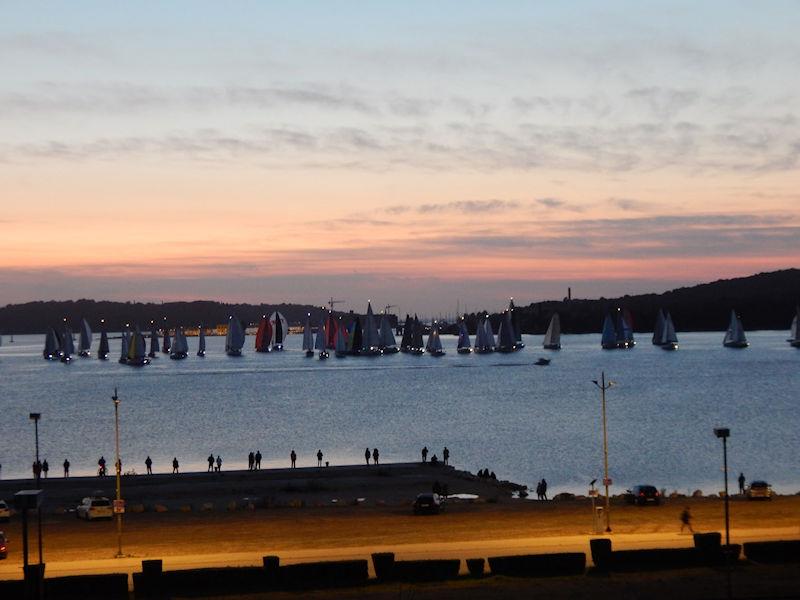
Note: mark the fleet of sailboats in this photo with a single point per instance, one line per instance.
(365, 337)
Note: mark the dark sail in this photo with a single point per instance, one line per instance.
(357, 339)
(408, 332)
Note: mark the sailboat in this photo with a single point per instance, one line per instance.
(356, 339)
(484, 337)
(308, 337)
(463, 346)
(153, 341)
(52, 346)
(85, 344)
(505, 335)
(166, 345)
(103, 350)
(67, 346)
(320, 343)
(180, 345)
(370, 342)
(201, 344)
(137, 350)
(341, 340)
(123, 355)
(625, 330)
(263, 335)
(609, 337)
(552, 337)
(658, 328)
(434, 345)
(280, 327)
(794, 334)
(408, 332)
(417, 347)
(387, 344)
(331, 327)
(735, 337)
(234, 340)
(669, 339)
(514, 322)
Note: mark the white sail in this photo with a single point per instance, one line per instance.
(386, 334)
(794, 334)
(463, 335)
(86, 337)
(280, 327)
(308, 335)
(668, 335)
(434, 345)
(488, 334)
(180, 345)
(735, 336)
(124, 347)
(370, 332)
(201, 348)
(341, 342)
(321, 337)
(552, 337)
(69, 344)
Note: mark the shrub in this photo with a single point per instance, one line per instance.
(539, 565)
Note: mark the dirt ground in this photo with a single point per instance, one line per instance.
(274, 529)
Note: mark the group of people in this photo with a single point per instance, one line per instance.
(434, 458)
(254, 461)
(375, 455)
(486, 474)
(541, 490)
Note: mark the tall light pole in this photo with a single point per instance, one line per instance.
(38, 473)
(606, 481)
(724, 433)
(118, 503)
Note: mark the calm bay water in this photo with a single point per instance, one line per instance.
(498, 411)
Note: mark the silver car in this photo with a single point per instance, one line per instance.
(94, 507)
(5, 512)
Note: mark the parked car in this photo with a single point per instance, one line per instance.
(3, 545)
(5, 512)
(94, 507)
(759, 490)
(643, 494)
(428, 504)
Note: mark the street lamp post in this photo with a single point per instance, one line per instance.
(38, 473)
(118, 503)
(724, 433)
(606, 481)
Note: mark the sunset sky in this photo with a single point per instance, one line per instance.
(415, 153)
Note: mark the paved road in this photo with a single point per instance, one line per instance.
(463, 550)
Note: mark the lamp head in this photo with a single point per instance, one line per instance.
(35, 416)
(722, 432)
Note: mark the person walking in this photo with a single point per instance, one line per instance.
(375, 455)
(175, 464)
(148, 463)
(210, 462)
(66, 468)
(686, 520)
(219, 463)
(424, 454)
(741, 483)
(251, 461)
(445, 455)
(319, 457)
(45, 468)
(293, 457)
(258, 459)
(367, 455)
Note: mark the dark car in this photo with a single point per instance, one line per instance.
(428, 504)
(643, 494)
(3, 546)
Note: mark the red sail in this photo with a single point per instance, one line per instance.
(330, 333)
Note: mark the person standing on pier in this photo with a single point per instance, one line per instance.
(66, 468)
(45, 468)
(424, 454)
(251, 461)
(219, 463)
(210, 463)
(741, 483)
(148, 462)
(293, 458)
(102, 464)
(367, 455)
(375, 455)
(319, 457)
(445, 455)
(175, 464)
(258, 459)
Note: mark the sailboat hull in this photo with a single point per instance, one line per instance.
(669, 346)
(323, 355)
(736, 344)
(102, 356)
(233, 352)
(464, 350)
(309, 353)
(201, 353)
(84, 354)
(137, 362)
(552, 346)
(178, 355)
(391, 350)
